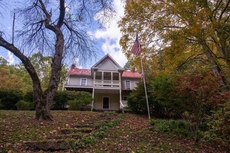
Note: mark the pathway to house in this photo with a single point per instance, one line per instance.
(135, 135)
(132, 135)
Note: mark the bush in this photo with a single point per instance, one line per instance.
(1, 105)
(10, 98)
(166, 104)
(178, 127)
(161, 98)
(82, 100)
(137, 100)
(219, 126)
(29, 96)
(24, 105)
(60, 100)
(79, 105)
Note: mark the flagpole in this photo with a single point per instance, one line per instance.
(142, 69)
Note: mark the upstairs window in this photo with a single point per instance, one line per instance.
(83, 81)
(128, 84)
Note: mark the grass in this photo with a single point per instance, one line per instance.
(127, 133)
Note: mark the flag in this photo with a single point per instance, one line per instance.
(136, 47)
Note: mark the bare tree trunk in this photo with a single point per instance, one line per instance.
(44, 99)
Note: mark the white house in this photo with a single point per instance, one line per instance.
(108, 82)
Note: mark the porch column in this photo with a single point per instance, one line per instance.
(94, 75)
(112, 78)
(102, 77)
(121, 104)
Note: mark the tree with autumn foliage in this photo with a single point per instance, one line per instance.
(200, 93)
(176, 33)
(58, 29)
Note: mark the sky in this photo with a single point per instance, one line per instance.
(107, 38)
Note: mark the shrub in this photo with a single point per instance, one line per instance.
(137, 100)
(1, 105)
(60, 100)
(79, 105)
(166, 104)
(161, 98)
(82, 100)
(24, 105)
(219, 126)
(29, 96)
(200, 92)
(10, 98)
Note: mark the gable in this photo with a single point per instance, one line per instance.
(107, 63)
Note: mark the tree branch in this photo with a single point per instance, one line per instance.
(225, 8)
(62, 13)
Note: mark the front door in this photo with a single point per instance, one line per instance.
(105, 102)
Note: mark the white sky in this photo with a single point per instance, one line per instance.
(109, 37)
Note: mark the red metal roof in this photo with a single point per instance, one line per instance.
(127, 74)
(77, 71)
(131, 74)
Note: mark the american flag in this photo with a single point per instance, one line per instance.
(136, 47)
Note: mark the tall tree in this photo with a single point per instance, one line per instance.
(7, 74)
(56, 28)
(173, 33)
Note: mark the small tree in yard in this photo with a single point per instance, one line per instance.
(58, 27)
(199, 92)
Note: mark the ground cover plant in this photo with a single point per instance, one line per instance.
(112, 132)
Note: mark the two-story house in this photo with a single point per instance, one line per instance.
(108, 82)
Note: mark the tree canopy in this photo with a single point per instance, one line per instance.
(178, 35)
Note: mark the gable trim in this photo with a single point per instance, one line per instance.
(107, 56)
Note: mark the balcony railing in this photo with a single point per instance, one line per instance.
(107, 83)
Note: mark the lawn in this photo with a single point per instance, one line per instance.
(74, 131)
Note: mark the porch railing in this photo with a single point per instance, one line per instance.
(107, 83)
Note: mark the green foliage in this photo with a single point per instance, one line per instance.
(24, 105)
(1, 105)
(137, 99)
(219, 126)
(60, 100)
(167, 104)
(200, 92)
(183, 37)
(161, 97)
(28, 96)
(3, 61)
(10, 80)
(10, 98)
(79, 100)
(178, 127)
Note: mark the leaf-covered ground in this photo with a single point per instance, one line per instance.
(133, 134)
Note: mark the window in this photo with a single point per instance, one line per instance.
(127, 84)
(83, 81)
(125, 98)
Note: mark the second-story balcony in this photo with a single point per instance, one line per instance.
(106, 80)
(107, 83)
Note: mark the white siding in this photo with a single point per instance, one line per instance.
(134, 82)
(76, 80)
(107, 65)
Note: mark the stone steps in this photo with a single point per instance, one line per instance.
(64, 138)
